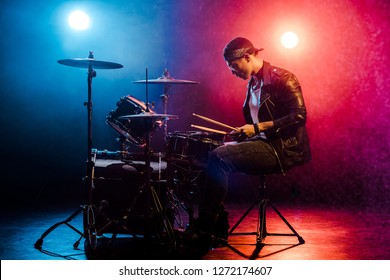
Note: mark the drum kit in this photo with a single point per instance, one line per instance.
(154, 198)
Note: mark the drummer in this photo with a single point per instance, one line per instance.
(275, 115)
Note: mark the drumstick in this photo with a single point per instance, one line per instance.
(208, 129)
(215, 122)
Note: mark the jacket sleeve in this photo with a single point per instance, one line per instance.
(291, 99)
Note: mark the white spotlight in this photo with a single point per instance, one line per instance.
(79, 20)
(289, 40)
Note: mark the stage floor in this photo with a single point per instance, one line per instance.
(329, 234)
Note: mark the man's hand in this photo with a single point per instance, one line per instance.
(249, 131)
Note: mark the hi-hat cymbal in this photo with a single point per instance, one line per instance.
(166, 80)
(153, 116)
(86, 62)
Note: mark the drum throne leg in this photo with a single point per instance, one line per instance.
(262, 203)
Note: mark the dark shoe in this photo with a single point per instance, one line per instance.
(192, 243)
(221, 227)
(198, 231)
(218, 242)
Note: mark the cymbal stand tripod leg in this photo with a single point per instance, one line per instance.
(38, 244)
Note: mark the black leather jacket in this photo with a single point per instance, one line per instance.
(282, 102)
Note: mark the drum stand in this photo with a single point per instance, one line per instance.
(152, 203)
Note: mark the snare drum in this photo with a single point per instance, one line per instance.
(134, 129)
(192, 145)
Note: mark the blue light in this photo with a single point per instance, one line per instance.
(79, 20)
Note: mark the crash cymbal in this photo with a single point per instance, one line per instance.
(86, 62)
(166, 80)
(149, 115)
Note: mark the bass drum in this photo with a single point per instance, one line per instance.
(133, 130)
(118, 195)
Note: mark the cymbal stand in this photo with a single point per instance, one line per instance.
(164, 99)
(88, 220)
(145, 189)
(149, 191)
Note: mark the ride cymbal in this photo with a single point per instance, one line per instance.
(86, 62)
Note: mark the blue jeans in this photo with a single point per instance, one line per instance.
(251, 157)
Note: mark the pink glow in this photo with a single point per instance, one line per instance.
(342, 62)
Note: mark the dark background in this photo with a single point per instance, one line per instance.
(341, 61)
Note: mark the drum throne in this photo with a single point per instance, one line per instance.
(262, 203)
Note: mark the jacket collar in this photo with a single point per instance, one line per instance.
(266, 77)
(264, 74)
